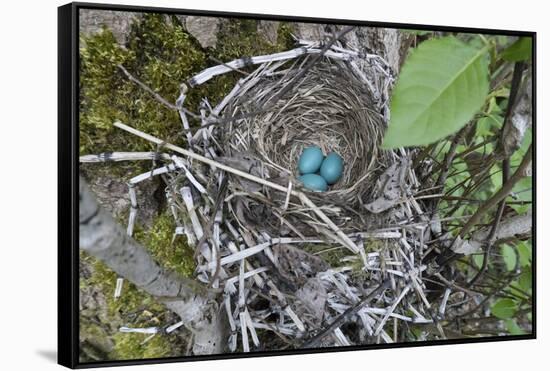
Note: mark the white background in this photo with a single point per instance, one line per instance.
(28, 183)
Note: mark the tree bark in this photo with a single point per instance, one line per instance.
(515, 226)
(102, 237)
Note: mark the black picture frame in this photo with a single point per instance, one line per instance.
(68, 144)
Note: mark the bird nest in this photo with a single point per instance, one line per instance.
(337, 101)
(329, 107)
(260, 237)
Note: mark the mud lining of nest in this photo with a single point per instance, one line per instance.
(233, 194)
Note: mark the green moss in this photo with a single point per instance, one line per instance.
(172, 252)
(239, 38)
(174, 255)
(132, 299)
(134, 308)
(131, 346)
(374, 245)
(160, 54)
(328, 253)
(285, 40)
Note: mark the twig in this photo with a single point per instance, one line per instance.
(348, 313)
(494, 228)
(520, 173)
(516, 80)
(485, 300)
(219, 198)
(455, 286)
(445, 167)
(349, 243)
(449, 157)
(123, 156)
(157, 96)
(228, 66)
(311, 63)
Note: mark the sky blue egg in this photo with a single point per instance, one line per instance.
(332, 168)
(314, 182)
(310, 160)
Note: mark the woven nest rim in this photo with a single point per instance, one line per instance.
(329, 107)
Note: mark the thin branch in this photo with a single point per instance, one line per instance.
(447, 162)
(344, 316)
(490, 241)
(102, 237)
(521, 172)
(302, 196)
(516, 80)
(155, 95)
(228, 66)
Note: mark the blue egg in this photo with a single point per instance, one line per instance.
(314, 182)
(310, 160)
(332, 168)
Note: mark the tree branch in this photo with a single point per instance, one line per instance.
(103, 238)
(522, 171)
(490, 240)
(155, 95)
(515, 226)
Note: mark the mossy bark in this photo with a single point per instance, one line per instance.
(101, 236)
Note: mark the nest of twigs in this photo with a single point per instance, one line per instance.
(338, 102)
(329, 107)
(260, 236)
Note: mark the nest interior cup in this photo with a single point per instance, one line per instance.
(328, 107)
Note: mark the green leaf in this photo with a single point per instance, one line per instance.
(484, 126)
(525, 281)
(519, 51)
(523, 190)
(509, 257)
(478, 260)
(443, 83)
(521, 209)
(496, 176)
(504, 308)
(524, 252)
(513, 327)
